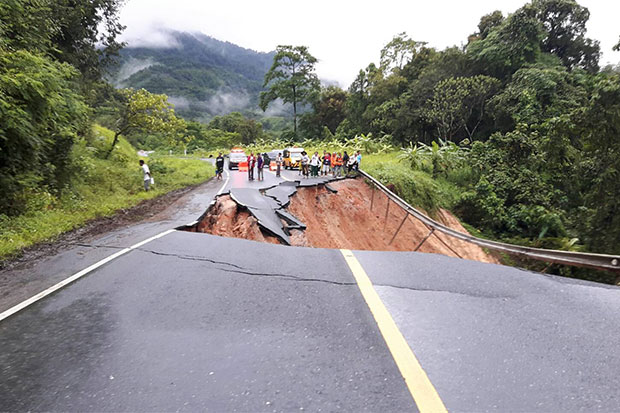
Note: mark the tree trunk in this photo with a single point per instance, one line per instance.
(114, 142)
(295, 111)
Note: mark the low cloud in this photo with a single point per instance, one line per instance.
(132, 66)
(225, 102)
(279, 108)
(152, 39)
(180, 102)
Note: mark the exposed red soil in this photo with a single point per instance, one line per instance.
(344, 220)
(227, 219)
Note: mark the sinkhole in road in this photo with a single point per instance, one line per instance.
(329, 214)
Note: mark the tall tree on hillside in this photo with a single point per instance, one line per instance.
(459, 103)
(488, 22)
(398, 52)
(359, 95)
(291, 78)
(510, 45)
(86, 33)
(564, 23)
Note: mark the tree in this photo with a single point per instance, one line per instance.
(140, 110)
(564, 23)
(599, 128)
(79, 32)
(85, 35)
(398, 52)
(291, 78)
(617, 47)
(510, 45)
(359, 95)
(459, 103)
(248, 129)
(41, 116)
(26, 25)
(488, 22)
(328, 112)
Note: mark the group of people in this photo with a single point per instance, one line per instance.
(335, 164)
(257, 162)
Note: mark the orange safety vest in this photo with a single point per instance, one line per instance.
(338, 161)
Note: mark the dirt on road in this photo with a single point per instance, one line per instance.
(345, 220)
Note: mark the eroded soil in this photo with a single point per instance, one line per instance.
(344, 220)
(225, 218)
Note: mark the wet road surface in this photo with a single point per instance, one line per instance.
(197, 322)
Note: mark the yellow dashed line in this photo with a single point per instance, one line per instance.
(418, 383)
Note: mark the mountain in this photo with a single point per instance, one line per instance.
(201, 75)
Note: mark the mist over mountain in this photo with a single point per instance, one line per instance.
(202, 76)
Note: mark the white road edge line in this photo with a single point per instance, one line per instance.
(225, 182)
(77, 275)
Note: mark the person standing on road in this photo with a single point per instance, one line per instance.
(251, 161)
(147, 175)
(315, 163)
(345, 162)
(278, 163)
(326, 163)
(351, 163)
(337, 160)
(259, 166)
(305, 160)
(358, 161)
(219, 166)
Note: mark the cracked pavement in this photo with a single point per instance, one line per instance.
(196, 322)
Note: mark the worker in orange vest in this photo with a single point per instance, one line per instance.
(337, 164)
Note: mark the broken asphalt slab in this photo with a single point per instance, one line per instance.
(269, 207)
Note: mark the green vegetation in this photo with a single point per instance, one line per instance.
(519, 130)
(57, 170)
(101, 187)
(291, 78)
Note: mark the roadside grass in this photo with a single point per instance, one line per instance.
(416, 187)
(101, 187)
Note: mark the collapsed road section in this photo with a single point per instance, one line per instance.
(329, 213)
(259, 215)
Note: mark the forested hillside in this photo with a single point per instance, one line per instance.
(521, 122)
(58, 169)
(202, 76)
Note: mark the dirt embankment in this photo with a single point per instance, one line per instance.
(344, 220)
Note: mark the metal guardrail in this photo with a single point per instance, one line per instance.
(580, 259)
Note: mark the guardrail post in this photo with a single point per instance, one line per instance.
(372, 197)
(447, 246)
(424, 239)
(399, 227)
(387, 210)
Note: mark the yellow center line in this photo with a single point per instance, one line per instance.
(422, 390)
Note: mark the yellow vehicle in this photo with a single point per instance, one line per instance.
(292, 158)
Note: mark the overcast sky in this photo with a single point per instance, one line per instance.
(344, 35)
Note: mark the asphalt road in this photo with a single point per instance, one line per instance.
(192, 322)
